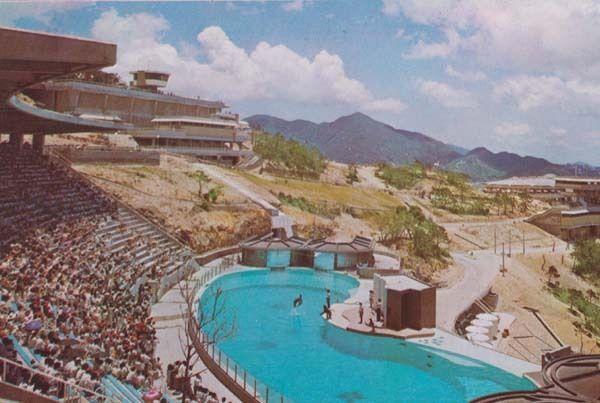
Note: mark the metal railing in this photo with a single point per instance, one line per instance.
(16, 374)
(239, 381)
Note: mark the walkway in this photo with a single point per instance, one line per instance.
(169, 328)
(479, 272)
(234, 183)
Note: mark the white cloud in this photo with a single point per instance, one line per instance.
(230, 72)
(530, 92)
(423, 50)
(538, 36)
(470, 76)
(11, 12)
(510, 129)
(446, 95)
(294, 5)
(391, 105)
(391, 7)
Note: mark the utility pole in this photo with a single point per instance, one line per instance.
(503, 266)
(494, 240)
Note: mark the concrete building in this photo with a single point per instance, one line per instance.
(570, 224)
(576, 214)
(36, 100)
(149, 80)
(406, 302)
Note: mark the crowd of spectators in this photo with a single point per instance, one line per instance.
(193, 388)
(65, 295)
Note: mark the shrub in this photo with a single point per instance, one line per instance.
(401, 177)
(289, 154)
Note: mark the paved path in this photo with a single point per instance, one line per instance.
(234, 183)
(479, 272)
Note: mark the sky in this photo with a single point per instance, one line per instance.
(510, 75)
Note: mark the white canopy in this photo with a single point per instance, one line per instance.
(482, 323)
(478, 337)
(488, 316)
(477, 329)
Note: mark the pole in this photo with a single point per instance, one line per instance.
(523, 240)
(494, 240)
(503, 269)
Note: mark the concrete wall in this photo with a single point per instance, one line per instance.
(411, 309)
(126, 106)
(111, 156)
(549, 221)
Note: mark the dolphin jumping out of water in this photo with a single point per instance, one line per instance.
(298, 301)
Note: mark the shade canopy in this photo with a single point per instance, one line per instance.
(482, 323)
(477, 329)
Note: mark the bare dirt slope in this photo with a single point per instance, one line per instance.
(169, 194)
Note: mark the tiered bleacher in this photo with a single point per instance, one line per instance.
(77, 277)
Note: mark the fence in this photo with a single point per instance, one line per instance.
(232, 375)
(13, 374)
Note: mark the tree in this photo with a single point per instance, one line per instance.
(213, 194)
(202, 179)
(552, 274)
(427, 240)
(591, 294)
(401, 177)
(586, 257)
(442, 197)
(352, 175)
(298, 158)
(211, 319)
(525, 201)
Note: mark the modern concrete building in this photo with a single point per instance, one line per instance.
(576, 215)
(554, 189)
(406, 302)
(570, 224)
(35, 100)
(28, 58)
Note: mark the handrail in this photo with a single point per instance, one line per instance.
(71, 389)
(232, 375)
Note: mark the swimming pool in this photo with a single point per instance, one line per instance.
(308, 360)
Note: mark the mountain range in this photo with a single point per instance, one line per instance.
(359, 139)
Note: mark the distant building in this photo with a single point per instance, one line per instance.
(550, 188)
(576, 214)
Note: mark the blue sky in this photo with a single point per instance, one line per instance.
(522, 76)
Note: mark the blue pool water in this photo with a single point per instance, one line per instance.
(308, 360)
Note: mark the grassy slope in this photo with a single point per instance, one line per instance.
(318, 192)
